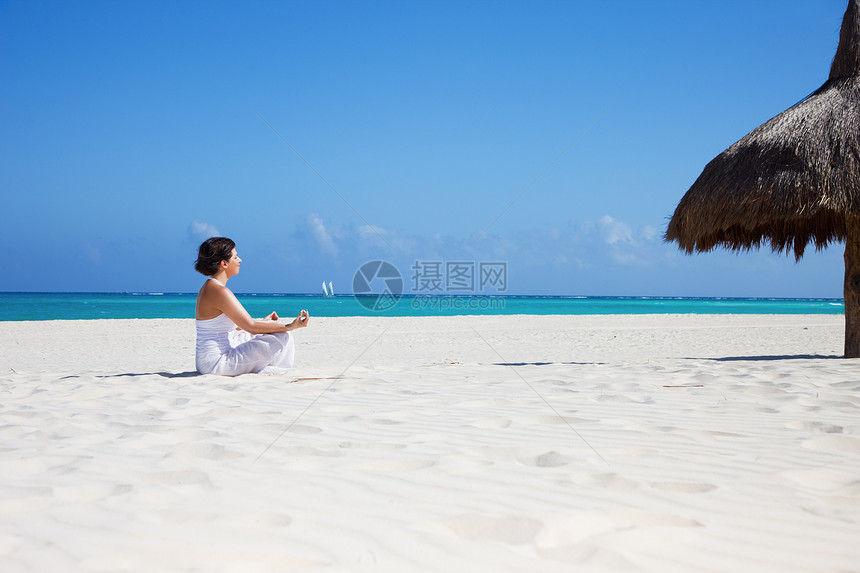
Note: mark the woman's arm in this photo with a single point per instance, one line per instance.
(227, 303)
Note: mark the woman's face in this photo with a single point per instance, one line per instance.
(233, 264)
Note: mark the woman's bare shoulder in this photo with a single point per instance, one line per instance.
(211, 300)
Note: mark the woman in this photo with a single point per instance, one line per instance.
(263, 346)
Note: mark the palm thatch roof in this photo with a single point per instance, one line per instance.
(793, 180)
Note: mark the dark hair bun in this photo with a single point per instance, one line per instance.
(211, 253)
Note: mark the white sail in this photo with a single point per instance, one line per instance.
(330, 289)
(325, 292)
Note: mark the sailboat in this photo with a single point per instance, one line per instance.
(325, 290)
(330, 289)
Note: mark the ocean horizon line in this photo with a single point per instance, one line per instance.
(28, 306)
(436, 294)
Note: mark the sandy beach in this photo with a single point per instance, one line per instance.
(655, 443)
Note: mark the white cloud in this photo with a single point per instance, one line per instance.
(650, 232)
(608, 239)
(202, 231)
(625, 257)
(615, 231)
(321, 235)
(377, 241)
(372, 232)
(571, 255)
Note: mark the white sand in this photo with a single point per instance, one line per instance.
(616, 443)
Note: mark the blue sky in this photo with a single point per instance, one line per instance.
(556, 137)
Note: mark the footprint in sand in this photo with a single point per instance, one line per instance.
(566, 537)
(815, 426)
(835, 443)
(385, 422)
(505, 529)
(301, 429)
(551, 459)
(606, 480)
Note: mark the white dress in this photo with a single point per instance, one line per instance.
(223, 350)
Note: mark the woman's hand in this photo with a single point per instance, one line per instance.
(273, 316)
(300, 321)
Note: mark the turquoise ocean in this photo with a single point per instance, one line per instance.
(74, 306)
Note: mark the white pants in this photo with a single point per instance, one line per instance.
(263, 353)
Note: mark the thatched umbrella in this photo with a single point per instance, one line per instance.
(792, 181)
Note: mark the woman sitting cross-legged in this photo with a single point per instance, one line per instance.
(229, 341)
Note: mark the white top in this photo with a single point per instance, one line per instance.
(213, 339)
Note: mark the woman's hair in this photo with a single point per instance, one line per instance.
(211, 253)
